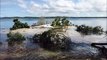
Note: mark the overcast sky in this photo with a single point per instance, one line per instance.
(73, 8)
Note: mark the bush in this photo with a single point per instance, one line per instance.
(60, 22)
(36, 38)
(53, 40)
(87, 30)
(15, 38)
(97, 30)
(106, 32)
(84, 29)
(18, 25)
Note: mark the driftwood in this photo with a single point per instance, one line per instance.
(99, 44)
(101, 48)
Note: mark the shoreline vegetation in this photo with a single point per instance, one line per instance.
(45, 16)
(51, 17)
(19, 25)
(53, 39)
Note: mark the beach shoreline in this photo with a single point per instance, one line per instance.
(82, 43)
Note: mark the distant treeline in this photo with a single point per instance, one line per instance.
(53, 17)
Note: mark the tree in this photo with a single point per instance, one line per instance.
(15, 38)
(88, 30)
(53, 40)
(61, 22)
(18, 25)
(97, 30)
(56, 22)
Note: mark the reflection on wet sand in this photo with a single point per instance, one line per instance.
(79, 51)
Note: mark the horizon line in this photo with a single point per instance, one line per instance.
(54, 16)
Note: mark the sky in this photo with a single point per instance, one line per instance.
(37, 8)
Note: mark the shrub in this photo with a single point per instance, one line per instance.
(15, 38)
(60, 22)
(36, 38)
(84, 29)
(53, 40)
(97, 30)
(18, 25)
(56, 22)
(106, 32)
(87, 30)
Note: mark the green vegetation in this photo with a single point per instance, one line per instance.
(87, 30)
(98, 30)
(36, 38)
(53, 40)
(18, 25)
(15, 38)
(60, 22)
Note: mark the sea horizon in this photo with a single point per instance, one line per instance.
(53, 29)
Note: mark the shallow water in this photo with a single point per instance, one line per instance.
(80, 48)
(7, 22)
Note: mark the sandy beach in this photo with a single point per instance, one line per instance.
(70, 32)
(82, 48)
(53, 30)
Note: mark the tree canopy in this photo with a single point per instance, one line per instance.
(87, 30)
(15, 38)
(60, 22)
(52, 40)
(18, 25)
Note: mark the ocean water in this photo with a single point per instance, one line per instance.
(6, 23)
(81, 48)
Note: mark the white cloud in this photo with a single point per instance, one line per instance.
(22, 3)
(65, 7)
